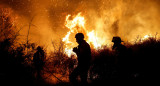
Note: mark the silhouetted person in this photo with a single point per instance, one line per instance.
(83, 52)
(38, 60)
(121, 57)
(4, 55)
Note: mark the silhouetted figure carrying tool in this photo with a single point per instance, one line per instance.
(38, 60)
(121, 60)
(83, 53)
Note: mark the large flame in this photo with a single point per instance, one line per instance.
(76, 25)
(93, 39)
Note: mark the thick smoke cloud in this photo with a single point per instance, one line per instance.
(125, 18)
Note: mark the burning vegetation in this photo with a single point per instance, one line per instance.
(18, 43)
(77, 25)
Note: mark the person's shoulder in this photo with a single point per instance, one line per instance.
(86, 44)
(123, 46)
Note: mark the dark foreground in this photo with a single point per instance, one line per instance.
(140, 67)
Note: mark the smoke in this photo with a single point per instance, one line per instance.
(124, 18)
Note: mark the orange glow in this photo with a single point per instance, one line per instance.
(146, 37)
(72, 26)
(76, 25)
(102, 20)
(132, 20)
(92, 38)
(77, 21)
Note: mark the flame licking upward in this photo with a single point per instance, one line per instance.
(76, 25)
(92, 38)
(72, 26)
(77, 21)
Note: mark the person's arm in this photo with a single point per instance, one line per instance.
(75, 49)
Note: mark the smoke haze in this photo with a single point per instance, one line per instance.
(124, 18)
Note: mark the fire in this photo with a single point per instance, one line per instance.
(146, 37)
(92, 38)
(66, 38)
(76, 25)
(77, 21)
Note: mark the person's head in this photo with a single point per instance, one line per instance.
(116, 40)
(79, 37)
(39, 48)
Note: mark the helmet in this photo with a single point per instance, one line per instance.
(39, 48)
(79, 36)
(116, 39)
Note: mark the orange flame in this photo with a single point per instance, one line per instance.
(72, 26)
(92, 38)
(146, 37)
(77, 24)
